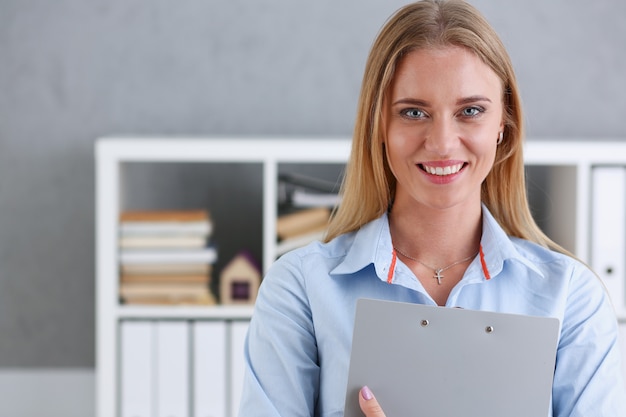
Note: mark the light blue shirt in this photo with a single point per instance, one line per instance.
(298, 346)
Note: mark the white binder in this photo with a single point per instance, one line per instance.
(172, 369)
(440, 362)
(136, 369)
(238, 332)
(209, 356)
(608, 231)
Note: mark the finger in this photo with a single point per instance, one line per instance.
(368, 403)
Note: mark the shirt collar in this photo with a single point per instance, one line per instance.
(372, 245)
(497, 247)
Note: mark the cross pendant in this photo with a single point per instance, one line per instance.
(438, 275)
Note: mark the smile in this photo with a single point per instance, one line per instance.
(442, 171)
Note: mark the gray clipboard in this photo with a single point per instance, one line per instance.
(440, 362)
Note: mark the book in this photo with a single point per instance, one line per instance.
(302, 222)
(166, 269)
(293, 179)
(303, 198)
(165, 228)
(162, 241)
(162, 289)
(211, 368)
(608, 226)
(166, 293)
(165, 278)
(300, 191)
(238, 332)
(136, 368)
(174, 300)
(173, 368)
(206, 255)
(166, 222)
(177, 216)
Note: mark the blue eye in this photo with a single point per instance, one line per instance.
(413, 113)
(472, 111)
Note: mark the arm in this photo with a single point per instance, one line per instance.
(587, 378)
(282, 371)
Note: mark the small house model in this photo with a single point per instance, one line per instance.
(240, 280)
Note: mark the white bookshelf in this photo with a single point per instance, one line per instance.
(559, 175)
(113, 156)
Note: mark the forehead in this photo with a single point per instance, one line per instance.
(444, 69)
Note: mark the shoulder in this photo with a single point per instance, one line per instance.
(298, 275)
(351, 251)
(550, 261)
(583, 287)
(540, 254)
(316, 253)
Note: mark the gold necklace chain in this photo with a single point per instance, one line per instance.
(438, 271)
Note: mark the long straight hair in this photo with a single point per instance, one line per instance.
(369, 185)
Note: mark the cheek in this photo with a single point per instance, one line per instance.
(403, 138)
(485, 150)
(484, 139)
(483, 146)
(392, 157)
(397, 153)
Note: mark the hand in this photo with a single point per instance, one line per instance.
(368, 403)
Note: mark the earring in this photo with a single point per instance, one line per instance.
(500, 137)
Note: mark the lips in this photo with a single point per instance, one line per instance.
(442, 170)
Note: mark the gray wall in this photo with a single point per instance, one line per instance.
(74, 70)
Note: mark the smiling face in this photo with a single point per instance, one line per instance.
(443, 114)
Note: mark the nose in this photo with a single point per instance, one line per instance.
(441, 137)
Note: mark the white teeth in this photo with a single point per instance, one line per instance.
(441, 171)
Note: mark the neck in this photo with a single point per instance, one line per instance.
(436, 236)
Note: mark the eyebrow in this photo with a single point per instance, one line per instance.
(424, 103)
(412, 101)
(473, 99)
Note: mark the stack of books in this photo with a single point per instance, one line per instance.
(301, 227)
(297, 191)
(166, 257)
(305, 205)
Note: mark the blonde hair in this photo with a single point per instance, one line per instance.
(368, 186)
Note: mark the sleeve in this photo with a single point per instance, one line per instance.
(588, 376)
(281, 361)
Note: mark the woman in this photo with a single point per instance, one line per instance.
(434, 211)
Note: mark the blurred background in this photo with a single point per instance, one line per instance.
(75, 70)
